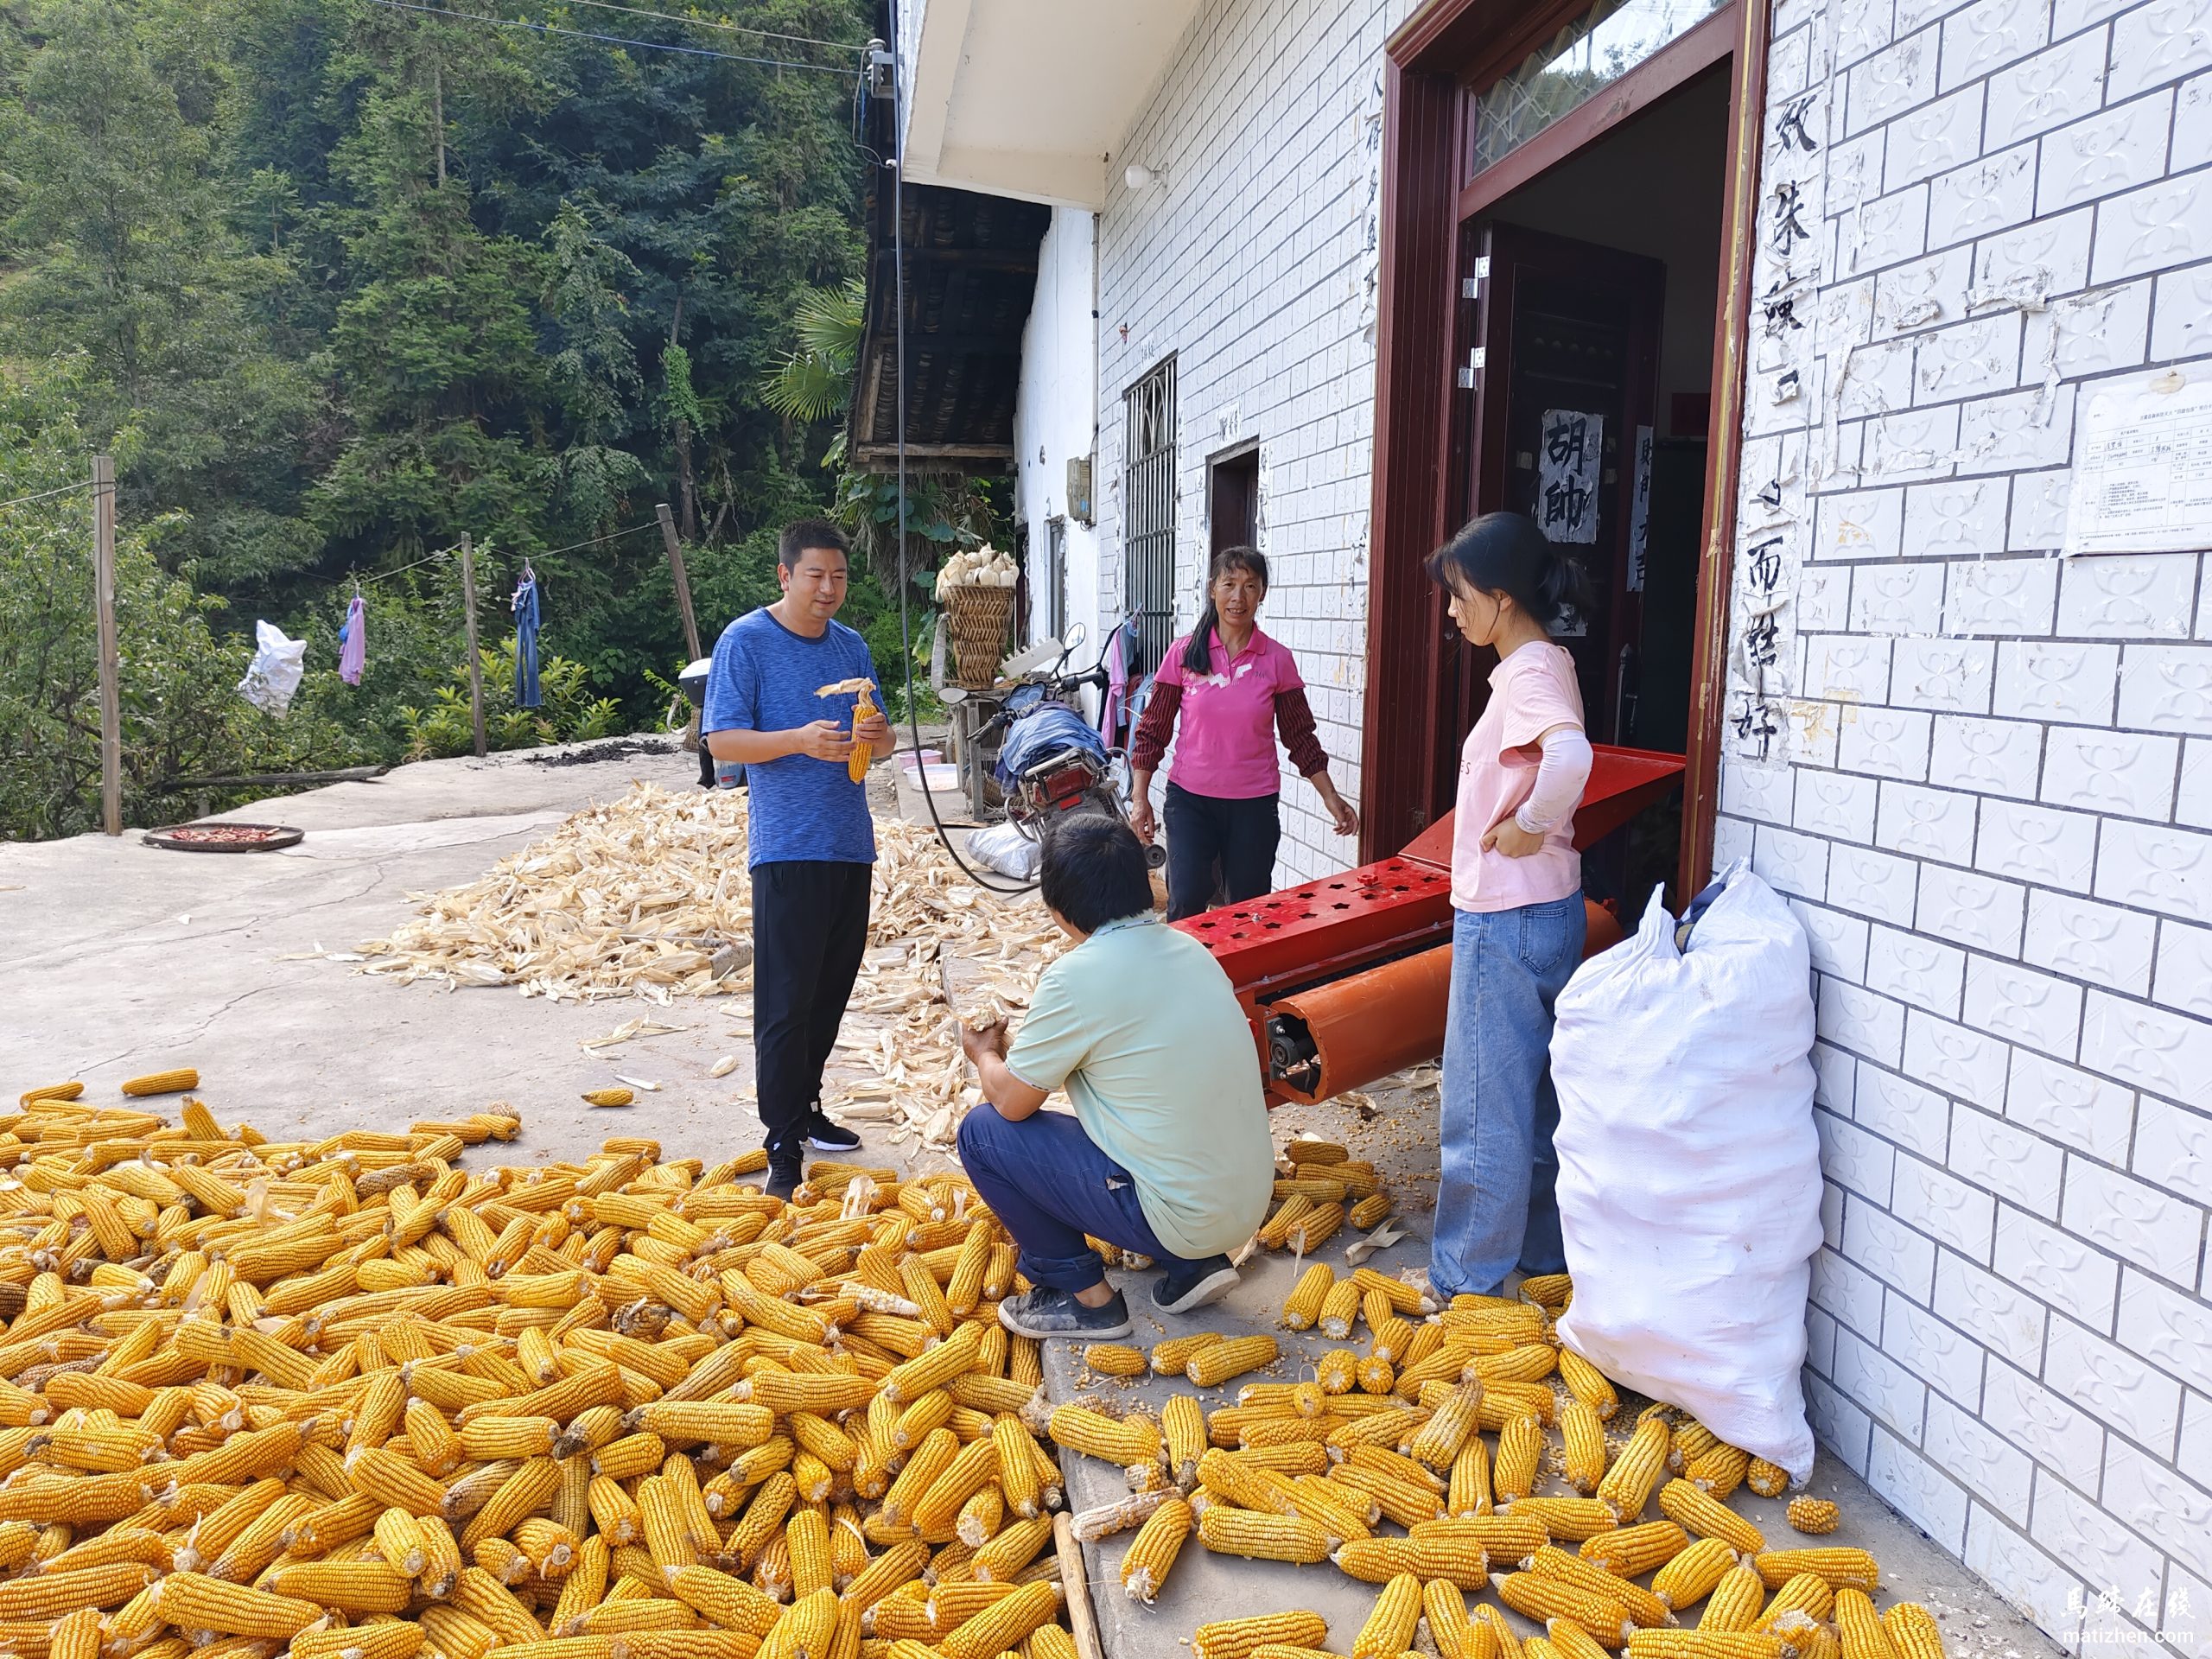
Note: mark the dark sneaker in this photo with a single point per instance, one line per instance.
(826, 1136)
(1187, 1285)
(783, 1178)
(1042, 1312)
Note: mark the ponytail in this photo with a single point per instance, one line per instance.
(1198, 650)
(1505, 553)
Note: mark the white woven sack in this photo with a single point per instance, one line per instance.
(1689, 1169)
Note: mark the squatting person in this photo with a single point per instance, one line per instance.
(812, 843)
(1235, 690)
(1517, 896)
(1167, 1153)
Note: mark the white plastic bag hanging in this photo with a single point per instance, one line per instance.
(1689, 1169)
(274, 674)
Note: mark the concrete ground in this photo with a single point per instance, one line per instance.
(126, 959)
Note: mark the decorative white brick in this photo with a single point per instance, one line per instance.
(2115, 150)
(1892, 80)
(2001, 596)
(1834, 1078)
(2084, 1538)
(2004, 1317)
(2152, 1229)
(2195, 1459)
(1932, 1350)
(1893, 1395)
(1997, 757)
(1950, 675)
(1833, 804)
(1761, 792)
(2023, 1574)
(1861, 1161)
(2173, 1148)
(1985, 196)
(1838, 941)
(2181, 323)
(2034, 262)
(2171, 1512)
(1918, 1491)
(1793, 863)
(2160, 225)
(2157, 43)
(2184, 971)
(1841, 1425)
(1971, 910)
(1846, 669)
(2167, 689)
(2021, 1168)
(2193, 801)
(1949, 1210)
(1903, 1111)
(1860, 524)
(2061, 1270)
(1875, 883)
(2023, 1007)
(2015, 430)
(2085, 1112)
(1916, 971)
(2041, 502)
(2047, 679)
(2183, 1627)
(2111, 1384)
(1902, 598)
(2050, 849)
(2051, 1430)
(2095, 332)
(1974, 359)
(2155, 867)
(1932, 823)
(2126, 772)
(2167, 1327)
(1987, 36)
(1871, 1026)
(1987, 1464)
(1887, 742)
(1967, 1064)
(2099, 943)
(2047, 91)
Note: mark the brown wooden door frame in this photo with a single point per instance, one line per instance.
(1444, 48)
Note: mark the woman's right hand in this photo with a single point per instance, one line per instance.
(1141, 818)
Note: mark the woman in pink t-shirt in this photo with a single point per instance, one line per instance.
(1516, 897)
(1235, 689)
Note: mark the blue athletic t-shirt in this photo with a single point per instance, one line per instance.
(764, 679)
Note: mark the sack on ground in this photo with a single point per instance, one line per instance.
(1007, 850)
(274, 674)
(1689, 1169)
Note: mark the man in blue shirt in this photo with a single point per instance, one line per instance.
(812, 843)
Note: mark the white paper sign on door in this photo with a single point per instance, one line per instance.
(2142, 469)
(1571, 446)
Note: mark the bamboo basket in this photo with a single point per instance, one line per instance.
(976, 620)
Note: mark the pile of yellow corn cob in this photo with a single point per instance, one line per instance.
(349, 1399)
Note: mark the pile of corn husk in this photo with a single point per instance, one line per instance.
(639, 896)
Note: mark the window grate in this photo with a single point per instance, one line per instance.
(1148, 509)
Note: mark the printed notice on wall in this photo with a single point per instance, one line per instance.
(2143, 468)
(1639, 512)
(1567, 474)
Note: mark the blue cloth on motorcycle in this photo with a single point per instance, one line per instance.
(1045, 730)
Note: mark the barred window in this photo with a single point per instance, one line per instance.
(1148, 509)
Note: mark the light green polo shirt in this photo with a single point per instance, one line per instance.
(1139, 1024)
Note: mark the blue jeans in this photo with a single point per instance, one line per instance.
(1048, 1184)
(1497, 1206)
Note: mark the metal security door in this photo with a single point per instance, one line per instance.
(1148, 509)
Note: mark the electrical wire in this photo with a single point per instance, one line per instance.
(899, 401)
(734, 28)
(611, 40)
(64, 489)
(611, 536)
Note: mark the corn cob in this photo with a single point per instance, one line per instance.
(1735, 1602)
(1469, 1493)
(1003, 1625)
(1702, 1644)
(857, 763)
(1303, 1305)
(1859, 1628)
(1633, 1551)
(1439, 1439)
(193, 1602)
(1095, 1435)
(1238, 1638)
(1804, 1601)
(1912, 1631)
(1520, 1446)
(1570, 1641)
(1182, 1427)
(1816, 1516)
(1697, 1510)
(1339, 1309)
(1629, 1484)
(1169, 1358)
(1497, 1635)
(1692, 1575)
(1720, 1468)
(1642, 1605)
(1767, 1479)
(1261, 1536)
(1389, 1627)
(1114, 1360)
(1533, 1595)
(173, 1081)
(1151, 1553)
(1834, 1565)
(1216, 1362)
(1120, 1514)
(616, 1096)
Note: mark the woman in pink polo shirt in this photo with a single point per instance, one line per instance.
(1235, 689)
(1517, 915)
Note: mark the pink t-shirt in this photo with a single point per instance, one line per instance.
(1225, 730)
(1530, 692)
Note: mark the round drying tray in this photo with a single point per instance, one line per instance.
(224, 837)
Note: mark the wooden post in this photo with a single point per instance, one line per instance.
(682, 579)
(111, 675)
(475, 658)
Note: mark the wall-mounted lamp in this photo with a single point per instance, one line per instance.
(1138, 176)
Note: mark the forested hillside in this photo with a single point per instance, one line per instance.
(338, 281)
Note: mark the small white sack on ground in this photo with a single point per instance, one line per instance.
(274, 674)
(1003, 847)
(1689, 1169)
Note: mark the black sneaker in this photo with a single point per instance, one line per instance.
(1187, 1285)
(1042, 1312)
(783, 1178)
(826, 1136)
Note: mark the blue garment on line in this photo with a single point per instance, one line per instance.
(526, 605)
(1497, 1206)
(766, 678)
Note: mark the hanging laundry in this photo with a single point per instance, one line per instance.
(274, 674)
(525, 609)
(353, 640)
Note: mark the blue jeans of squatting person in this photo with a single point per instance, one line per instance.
(1495, 1206)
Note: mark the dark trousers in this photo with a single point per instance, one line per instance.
(810, 930)
(1216, 845)
(1049, 1184)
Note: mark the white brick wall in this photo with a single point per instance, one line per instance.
(2017, 1067)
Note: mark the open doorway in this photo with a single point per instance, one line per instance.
(1590, 331)
(1233, 500)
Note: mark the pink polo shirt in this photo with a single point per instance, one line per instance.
(1530, 692)
(1225, 741)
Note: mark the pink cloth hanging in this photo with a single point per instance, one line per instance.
(353, 641)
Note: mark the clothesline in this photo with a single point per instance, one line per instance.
(40, 495)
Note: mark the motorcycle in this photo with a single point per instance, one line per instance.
(1052, 763)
